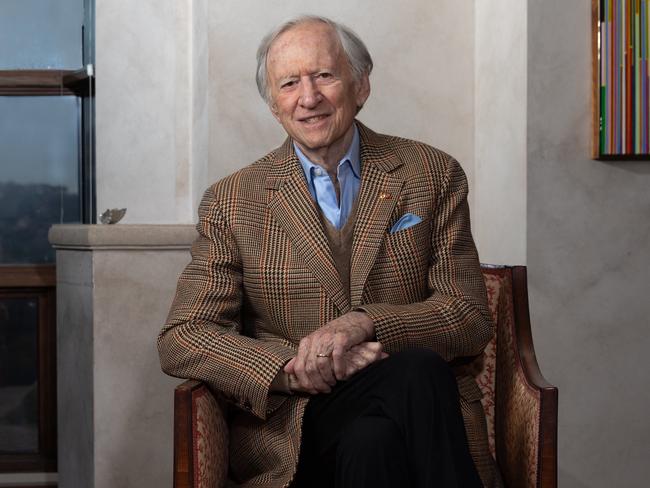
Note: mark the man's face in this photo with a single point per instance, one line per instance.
(314, 95)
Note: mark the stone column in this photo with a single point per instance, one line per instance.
(115, 284)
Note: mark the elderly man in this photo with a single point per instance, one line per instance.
(331, 283)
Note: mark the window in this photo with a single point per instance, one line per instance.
(46, 177)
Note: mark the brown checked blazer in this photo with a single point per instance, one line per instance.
(262, 277)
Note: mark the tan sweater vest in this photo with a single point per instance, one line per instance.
(340, 242)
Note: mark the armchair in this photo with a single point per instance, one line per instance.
(520, 405)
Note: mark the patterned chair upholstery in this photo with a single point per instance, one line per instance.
(520, 406)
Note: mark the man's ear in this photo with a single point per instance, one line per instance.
(274, 111)
(363, 90)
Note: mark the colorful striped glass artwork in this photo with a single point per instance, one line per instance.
(623, 49)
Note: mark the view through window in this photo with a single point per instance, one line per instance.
(46, 177)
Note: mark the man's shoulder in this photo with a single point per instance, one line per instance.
(413, 154)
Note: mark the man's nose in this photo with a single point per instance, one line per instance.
(310, 95)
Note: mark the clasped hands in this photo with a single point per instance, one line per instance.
(333, 353)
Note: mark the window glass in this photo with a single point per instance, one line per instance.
(39, 174)
(38, 34)
(18, 375)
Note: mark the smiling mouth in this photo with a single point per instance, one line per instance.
(314, 119)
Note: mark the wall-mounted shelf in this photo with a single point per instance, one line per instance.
(46, 82)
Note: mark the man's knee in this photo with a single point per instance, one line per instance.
(370, 437)
(372, 453)
(423, 365)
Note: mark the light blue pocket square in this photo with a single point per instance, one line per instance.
(407, 220)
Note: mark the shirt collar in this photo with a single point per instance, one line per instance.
(352, 156)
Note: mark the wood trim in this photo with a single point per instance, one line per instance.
(595, 96)
(183, 453)
(79, 82)
(45, 459)
(547, 471)
(28, 276)
(34, 485)
(524, 334)
(623, 157)
(25, 463)
(595, 80)
(34, 82)
(40, 485)
(47, 400)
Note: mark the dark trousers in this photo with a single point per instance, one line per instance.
(397, 423)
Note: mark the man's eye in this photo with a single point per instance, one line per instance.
(325, 75)
(288, 84)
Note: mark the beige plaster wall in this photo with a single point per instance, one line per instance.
(147, 119)
(589, 262)
(177, 106)
(499, 217)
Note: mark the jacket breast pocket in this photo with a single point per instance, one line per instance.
(410, 245)
(400, 271)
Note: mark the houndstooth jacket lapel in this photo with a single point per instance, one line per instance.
(380, 191)
(294, 209)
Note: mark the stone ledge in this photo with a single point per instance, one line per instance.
(122, 236)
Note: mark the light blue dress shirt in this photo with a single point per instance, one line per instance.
(321, 187)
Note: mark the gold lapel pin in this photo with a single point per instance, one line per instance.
(385, 195)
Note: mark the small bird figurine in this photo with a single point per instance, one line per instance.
(112, 215)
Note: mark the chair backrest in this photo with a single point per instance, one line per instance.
(520, 405)
(200, 437)
(498, 282)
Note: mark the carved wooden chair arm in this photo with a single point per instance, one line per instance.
(526, 404)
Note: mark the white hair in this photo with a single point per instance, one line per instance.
(355, 50)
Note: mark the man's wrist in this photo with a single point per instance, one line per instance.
(366, 323)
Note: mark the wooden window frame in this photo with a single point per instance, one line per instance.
(40, 280)
(37, 281)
